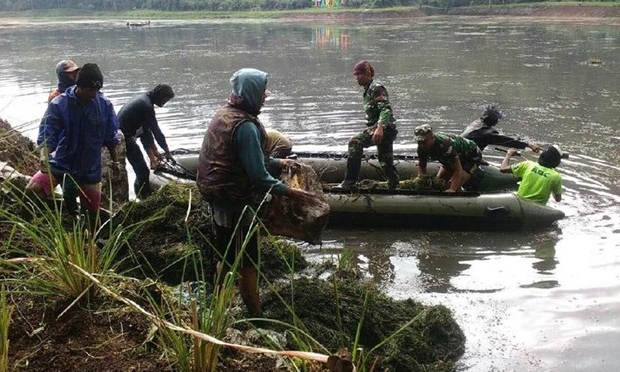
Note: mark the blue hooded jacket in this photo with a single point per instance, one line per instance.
(76, 134)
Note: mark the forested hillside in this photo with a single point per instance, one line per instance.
(228, 5)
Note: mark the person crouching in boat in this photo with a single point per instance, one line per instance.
(538, 180)
(459, 157)
(380, 129)
(232, 178)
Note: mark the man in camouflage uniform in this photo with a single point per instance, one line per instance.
(459, 157)
(380, 129)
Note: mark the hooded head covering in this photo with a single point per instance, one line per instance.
(364, 67)
(90, 76)
(63, 69)
(248, 87)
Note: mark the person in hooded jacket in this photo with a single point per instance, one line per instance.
(232, 175)
(76, 125)
(483, 132)
(137, 119)
(66, 72)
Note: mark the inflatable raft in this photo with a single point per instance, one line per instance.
(331, 168)
(404, 208)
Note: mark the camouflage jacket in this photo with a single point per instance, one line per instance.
(377, 105)
(448, 149)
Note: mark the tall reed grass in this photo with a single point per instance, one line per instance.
(6, 312)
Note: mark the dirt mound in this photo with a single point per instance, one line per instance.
(17, 150)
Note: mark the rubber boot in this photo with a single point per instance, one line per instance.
(350, 177)
(392, 177)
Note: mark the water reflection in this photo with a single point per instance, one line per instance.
(328, 36)
(445, 262)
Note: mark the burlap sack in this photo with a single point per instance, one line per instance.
(292, 218)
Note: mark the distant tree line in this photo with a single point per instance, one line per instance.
(185, 5)
(227, 5)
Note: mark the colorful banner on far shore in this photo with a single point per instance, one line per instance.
(329, 3)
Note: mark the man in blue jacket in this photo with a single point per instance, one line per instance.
(76, 125)
(137, 119)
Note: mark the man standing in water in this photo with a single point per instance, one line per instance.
(137, 119)
(538, 180)
(76, 125)
(232, 178)
(380, 129)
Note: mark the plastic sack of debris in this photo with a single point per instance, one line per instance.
(9, 174)
(293, 218)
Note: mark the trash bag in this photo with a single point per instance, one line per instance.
(293, 218)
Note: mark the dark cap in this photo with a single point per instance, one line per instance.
(421, 132)
(551, 157)
(90, 76)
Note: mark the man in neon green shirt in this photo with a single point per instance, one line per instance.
(538, 180)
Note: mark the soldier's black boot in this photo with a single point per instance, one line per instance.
(350, 177)
(392, 177)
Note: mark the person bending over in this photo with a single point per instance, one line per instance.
(137, 119)
(459, 157)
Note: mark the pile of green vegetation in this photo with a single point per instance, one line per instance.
(350, 314)
(396, 335)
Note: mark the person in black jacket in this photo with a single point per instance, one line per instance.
(137, 119)
(483, 132)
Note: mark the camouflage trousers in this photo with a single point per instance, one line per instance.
(385, 150)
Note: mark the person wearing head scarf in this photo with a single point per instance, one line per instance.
(76, 125)
(137, 119)
(66, 72)
(232, 175)
(538, 180)
(483, 132)
(380, 129)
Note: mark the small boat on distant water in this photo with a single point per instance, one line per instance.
(138, 24)
(401, 208)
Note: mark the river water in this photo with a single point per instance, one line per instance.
(543, 300)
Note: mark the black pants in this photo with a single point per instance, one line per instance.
(135, 157)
